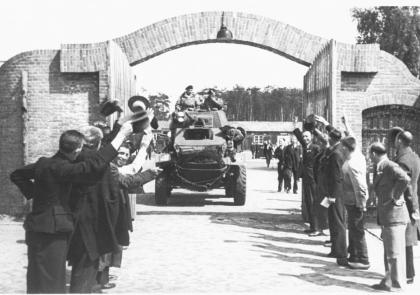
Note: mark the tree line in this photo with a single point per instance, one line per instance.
(246, 104)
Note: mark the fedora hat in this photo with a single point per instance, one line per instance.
(136, 103)
(109, 107)
(137, 119)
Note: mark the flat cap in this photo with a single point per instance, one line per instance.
(377, 147)
(349, 142)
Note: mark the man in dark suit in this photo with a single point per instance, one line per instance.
(390, 182)
(95, 205)
(333, 183)
(310, 151)
(410, 162)
(279, 154)
(124, 184)
(49, 182)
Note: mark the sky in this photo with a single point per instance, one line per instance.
(45, 24)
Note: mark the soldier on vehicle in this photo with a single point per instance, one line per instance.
(212, 102)
(187, 100)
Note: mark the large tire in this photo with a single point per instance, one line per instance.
(235, 186)
(162, 189)
(239, 187)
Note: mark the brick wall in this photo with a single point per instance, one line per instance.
(391, 84)
(55, 102)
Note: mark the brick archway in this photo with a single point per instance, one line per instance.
(341, 78)
(200, 28)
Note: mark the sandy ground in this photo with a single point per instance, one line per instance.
(200, 242)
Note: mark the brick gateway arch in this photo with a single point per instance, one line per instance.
(44, 92)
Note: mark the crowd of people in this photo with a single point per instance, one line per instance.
(81, 211)
(335, 191)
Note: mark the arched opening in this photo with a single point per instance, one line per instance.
(377, 121)
(256, 84)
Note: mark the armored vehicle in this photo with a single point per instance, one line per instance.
(198, 159)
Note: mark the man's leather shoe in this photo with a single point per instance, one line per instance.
(308, 231)
(410, 281)
(331, 255)
(342, 261)
(381, 287)
(108, 286)
(358, 265)
(316, 233)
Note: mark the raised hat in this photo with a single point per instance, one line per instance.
(242, 131)
(109, 107)
(308, 126)
(137, 119)
(137, 98)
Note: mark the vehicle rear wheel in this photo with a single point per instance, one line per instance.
(162, 189)
(240, 187)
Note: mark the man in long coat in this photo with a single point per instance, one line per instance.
(95, 203)
(410, 162)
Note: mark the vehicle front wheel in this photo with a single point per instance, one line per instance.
(162, 189)
(235, 187)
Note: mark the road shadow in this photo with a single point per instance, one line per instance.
(179, 199)
(321, 271)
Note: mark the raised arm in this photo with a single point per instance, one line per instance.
(140, 158)
(133, 181)
(347, 128)
(97, 162)
(320, 136)
(299, 136)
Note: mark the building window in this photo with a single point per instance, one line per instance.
(258, 139)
